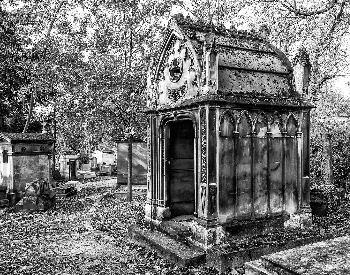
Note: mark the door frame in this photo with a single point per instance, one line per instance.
(164, 146)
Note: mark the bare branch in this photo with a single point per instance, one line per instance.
(296, 11)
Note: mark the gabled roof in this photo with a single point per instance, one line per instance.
(198, 63)
(26, 137)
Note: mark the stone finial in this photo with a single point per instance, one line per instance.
(302, 70)
(264, 31)
(302, 57)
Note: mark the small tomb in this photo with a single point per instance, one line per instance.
(105, 162)
(228, 135)
(68, 164)
(25, 157)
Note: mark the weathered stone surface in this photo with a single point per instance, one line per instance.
(167, 247)
(326, 257)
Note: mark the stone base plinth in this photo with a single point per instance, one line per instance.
(155, 213)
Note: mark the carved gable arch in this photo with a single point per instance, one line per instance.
(261, 124)
(177, 70)
(276, 125)
(244, 124)
(291, 125)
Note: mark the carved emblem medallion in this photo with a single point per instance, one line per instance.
(176, 69)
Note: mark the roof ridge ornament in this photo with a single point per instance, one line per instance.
(302, 71)
(302, 57)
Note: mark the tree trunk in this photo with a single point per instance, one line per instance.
(29, 112)
(54, 142)
(330, 158)
(129, 194)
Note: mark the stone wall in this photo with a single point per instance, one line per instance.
(27, 168)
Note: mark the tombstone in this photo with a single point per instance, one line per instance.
(25, 157)
(228, 132)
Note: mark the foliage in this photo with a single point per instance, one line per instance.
(320, 26)
(13, 74)
(89, 61)
(330, 142)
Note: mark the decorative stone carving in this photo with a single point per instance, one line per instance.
(203, 190)
(212, 198)
(203, 127)
(302, 69)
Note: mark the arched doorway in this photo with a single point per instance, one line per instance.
(180, 140)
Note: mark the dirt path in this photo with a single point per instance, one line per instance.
(85, 234)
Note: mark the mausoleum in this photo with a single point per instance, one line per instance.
(229, 123)
(25, 157)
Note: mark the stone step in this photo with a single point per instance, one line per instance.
(256, 268)
(176, 230)
(173, 250)
(263, 267)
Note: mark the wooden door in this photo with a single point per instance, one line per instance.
(181, 168)
(72, 170)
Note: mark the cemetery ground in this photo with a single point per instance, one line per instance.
(88, 234)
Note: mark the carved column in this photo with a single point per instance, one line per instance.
(306, 161)
(284, 168)
(202, 196)
(149, 160)
(299, 165)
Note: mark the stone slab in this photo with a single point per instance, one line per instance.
(325, 257)
(169, 248)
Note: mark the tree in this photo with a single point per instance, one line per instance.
(13, 74)
(320, 26)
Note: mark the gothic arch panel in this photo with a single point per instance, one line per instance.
(226, 151)
(260, 152)
(276, 125)
(291, 125)
(291, 164)
(276, 154)
(227, 126)
(244, 166)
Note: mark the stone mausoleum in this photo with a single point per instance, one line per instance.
(228, 137)
(24, 158)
